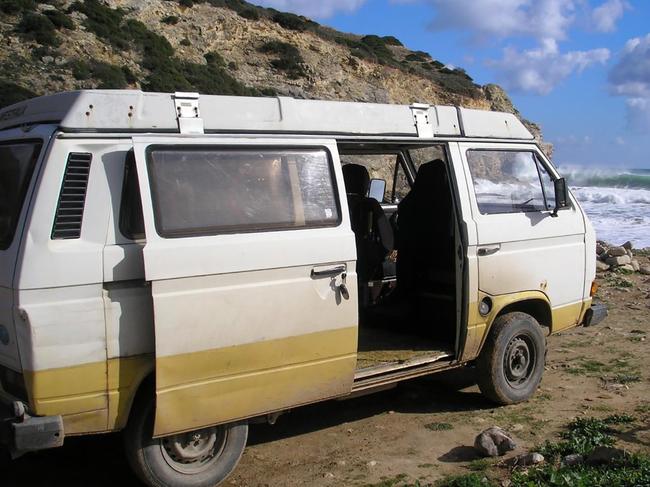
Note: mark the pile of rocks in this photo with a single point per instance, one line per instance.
(610, 257)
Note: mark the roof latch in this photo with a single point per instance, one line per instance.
(187, 113)
(421, 119)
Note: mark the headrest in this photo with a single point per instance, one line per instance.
(431, 174)
(357, 179)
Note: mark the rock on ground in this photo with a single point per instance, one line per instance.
(604, 454)
(494, 442)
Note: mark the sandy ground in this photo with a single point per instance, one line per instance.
(424, 429)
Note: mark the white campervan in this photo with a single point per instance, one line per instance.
(178, 265)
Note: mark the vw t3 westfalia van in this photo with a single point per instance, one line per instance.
(177, 266)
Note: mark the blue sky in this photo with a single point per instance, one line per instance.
(579, 68)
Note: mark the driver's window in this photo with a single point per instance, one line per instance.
(509, 181)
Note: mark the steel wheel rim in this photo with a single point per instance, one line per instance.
(519, 361)
(194, 452)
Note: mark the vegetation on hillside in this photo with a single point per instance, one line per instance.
(163, 70)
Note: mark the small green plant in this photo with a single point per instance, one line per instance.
(14, 7)
(291, 21)
(439, 426)
(185, 42)
(480, 464)
(108, 75)
(59, 19)
(288, 58)
(392, 41)
(170, 20)
(39, 28)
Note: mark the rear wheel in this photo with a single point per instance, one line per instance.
(201, 458)
(511, 364)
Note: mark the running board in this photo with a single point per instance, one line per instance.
(381, 375)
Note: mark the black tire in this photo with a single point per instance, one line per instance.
(510, 366)
(163, 462)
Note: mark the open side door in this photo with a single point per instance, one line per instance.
(252, 267)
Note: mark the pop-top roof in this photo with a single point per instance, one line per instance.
(136, 111)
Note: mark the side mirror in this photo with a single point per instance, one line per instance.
(561, 195)
(377, 189)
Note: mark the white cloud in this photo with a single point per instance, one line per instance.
(313, 8)
(500, 19)
(630, 77)
(540, 70)
(638, 115)
(605, 16)
(619, 140)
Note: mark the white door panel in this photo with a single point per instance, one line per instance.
(242, 325)
(528, 250)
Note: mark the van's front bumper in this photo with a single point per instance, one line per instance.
(21, 433)
(595, 314)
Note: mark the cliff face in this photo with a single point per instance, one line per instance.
(216, 46)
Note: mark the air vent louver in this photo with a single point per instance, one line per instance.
(70, 209)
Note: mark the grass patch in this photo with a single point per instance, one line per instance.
(615, 280)
(480, 464)
(585, 434)
(617, 368)
(439, 426)
(288, 58)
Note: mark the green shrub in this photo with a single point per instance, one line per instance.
(11, 93)
(186, 3)
(59, 19)
(289, 58)
(103, 21)
(290, 21)
(39, 28)
(129, 76)
(392, 41)
(170, 20)
(14, 7)
(215, 58)
(80, 69)
(185, 42)
(249, 13)
(108, 75)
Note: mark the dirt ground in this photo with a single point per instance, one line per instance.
(423, 430)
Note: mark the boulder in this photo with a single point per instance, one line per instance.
(635, 265)
(573, 459)
(645, 269)
(601, 266)
(603, 455)
(618, 260)
(629, 252)
(494, 442)
(616, 251)
(627, 245)
(600, 249)
(525, 460)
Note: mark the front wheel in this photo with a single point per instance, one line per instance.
(202, 458)
(511, 364)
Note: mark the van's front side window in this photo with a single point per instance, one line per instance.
(207, 191)
(17, 161)
(509, 181)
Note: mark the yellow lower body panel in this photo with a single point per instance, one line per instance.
(222, 385)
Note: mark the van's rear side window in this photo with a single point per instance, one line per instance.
(208, 190)
(17, 160)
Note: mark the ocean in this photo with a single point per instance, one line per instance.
(616, 200)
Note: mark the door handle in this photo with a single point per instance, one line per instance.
(327, 271)
(489, 250)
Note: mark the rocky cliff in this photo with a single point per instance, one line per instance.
(219, 47)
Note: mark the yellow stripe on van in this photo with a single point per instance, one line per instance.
(221, 385)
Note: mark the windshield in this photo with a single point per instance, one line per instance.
(17, 161)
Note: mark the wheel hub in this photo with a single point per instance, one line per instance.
(519, 360)
(194, 451)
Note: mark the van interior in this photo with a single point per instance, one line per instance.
(403, 216)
